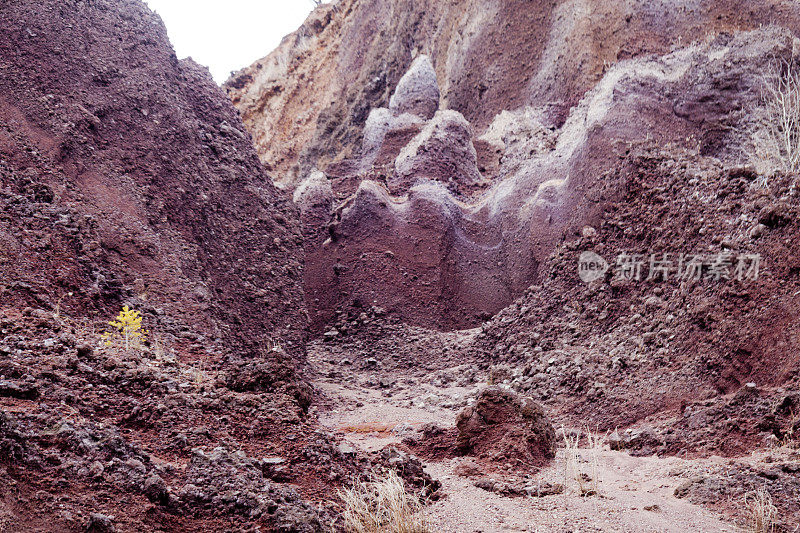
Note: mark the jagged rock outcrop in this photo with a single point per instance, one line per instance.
(550, 109)
(434, 241)
(384, 134)
(442, 151)
(417, 92)
(307, 101)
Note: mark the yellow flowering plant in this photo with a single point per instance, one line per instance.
(127, 329)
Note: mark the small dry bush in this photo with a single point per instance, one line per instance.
(776, 140)
(126, 330)
(790, 436)
(382, 506)
(762, 513)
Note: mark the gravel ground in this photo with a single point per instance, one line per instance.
(634, 494)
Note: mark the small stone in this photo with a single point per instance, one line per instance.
(100, 523)
(749, 390)
(136, 465)
(757, 231)
(615, 441)
(653, 302)
(485, 484)
(775, 215)
(85, 351)
(155, 489)
(96, 469)
(685, 488)
(346, 448)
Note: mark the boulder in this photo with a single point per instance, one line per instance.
(506, 427)
(156, 489)
(642, 441)
(411, 471)
(775, 215)
(100, 523)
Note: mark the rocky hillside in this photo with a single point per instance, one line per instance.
(127, 178)
(125, 170)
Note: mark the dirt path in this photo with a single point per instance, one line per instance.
(634, 494)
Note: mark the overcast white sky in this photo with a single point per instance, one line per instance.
(227, 35)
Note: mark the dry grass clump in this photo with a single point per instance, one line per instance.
(762, 513)
(790, 436)
(382, 506)
(582, 472)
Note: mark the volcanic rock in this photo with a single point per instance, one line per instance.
(506, 427)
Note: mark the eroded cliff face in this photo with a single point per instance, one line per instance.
(459, 162)
(464, 141)
(306, 102)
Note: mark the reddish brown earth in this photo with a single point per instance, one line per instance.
(467, 153)
(127, 177)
